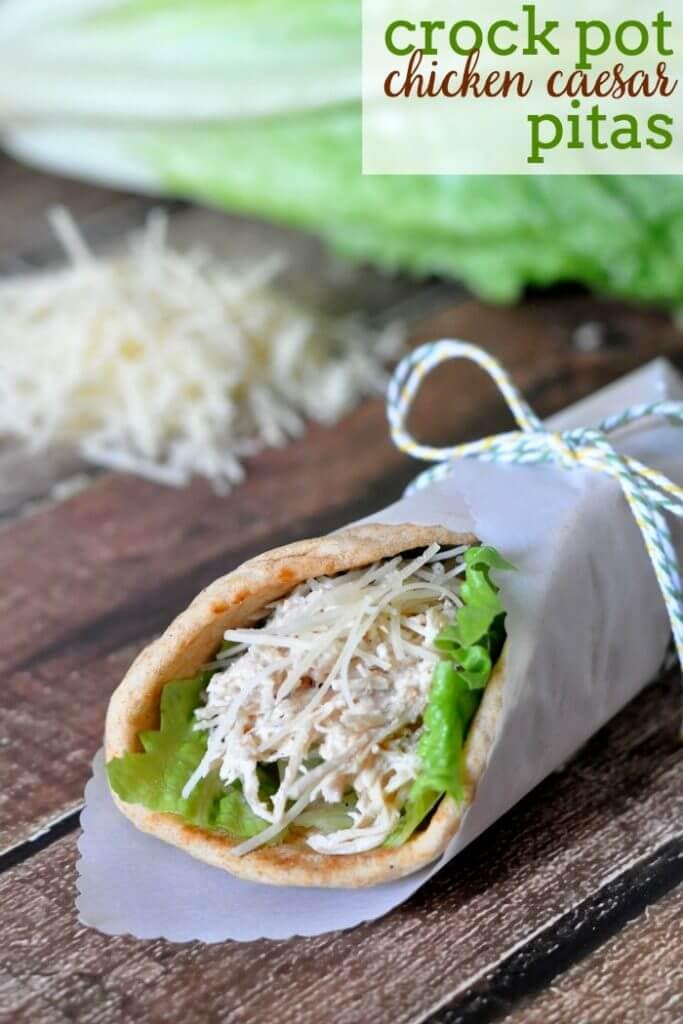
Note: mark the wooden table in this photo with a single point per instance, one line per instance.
(568, 910)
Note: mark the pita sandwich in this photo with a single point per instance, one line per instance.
(321, 715)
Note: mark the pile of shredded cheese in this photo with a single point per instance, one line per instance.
(333, 686)
(170, 364)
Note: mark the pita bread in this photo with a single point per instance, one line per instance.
(193, 638)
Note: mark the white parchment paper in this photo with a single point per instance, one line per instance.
(587, 629)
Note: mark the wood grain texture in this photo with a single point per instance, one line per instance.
(26, 239)
(86, 583)
(636, 977)
(29, 485)
(619, 800)
(553, 949)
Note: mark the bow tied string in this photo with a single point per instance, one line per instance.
(649, 493)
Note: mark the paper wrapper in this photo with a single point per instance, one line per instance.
(587, 629)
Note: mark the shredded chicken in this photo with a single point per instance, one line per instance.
(333, 686)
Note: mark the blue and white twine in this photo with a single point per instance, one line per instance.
(649, 493)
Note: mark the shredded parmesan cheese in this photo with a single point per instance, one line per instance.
(332, 686)
(170, 364)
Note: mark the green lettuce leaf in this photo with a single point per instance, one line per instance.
(470, 647)
(234, 815)
(155, 777)
(448, 714)
(420, 802)
(327, 817)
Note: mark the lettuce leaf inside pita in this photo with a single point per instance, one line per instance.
(470, 647)
(155, 777)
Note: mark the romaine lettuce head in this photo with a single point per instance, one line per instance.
(256, 107)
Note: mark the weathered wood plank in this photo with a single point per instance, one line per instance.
(87, 582)
(618, 801)
(563, 941)
(635, 977)
(29, 484)
(26, 239)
